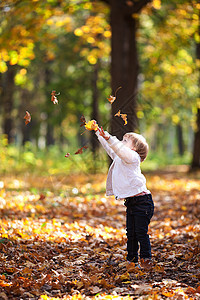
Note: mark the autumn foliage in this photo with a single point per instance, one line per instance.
(63, 239)
(91, 125)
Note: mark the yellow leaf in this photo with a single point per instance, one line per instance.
(91, 125)
(125, 276)
(184, 208)
(168, 293)
(157, 4)
(78, 32)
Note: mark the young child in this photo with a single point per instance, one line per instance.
(125, 181)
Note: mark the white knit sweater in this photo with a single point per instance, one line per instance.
(124, 176)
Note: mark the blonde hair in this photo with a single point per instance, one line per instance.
(139, 143)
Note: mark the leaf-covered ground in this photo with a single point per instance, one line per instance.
(61, 238)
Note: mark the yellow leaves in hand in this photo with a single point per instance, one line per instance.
(91, 125)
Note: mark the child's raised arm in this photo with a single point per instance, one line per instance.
(103, 137)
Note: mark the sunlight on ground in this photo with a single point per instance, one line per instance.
(61, 235)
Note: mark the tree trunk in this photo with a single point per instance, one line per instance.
(95, 108)
(181, 147)
(25, 106)
(196, 148)
(7, 96)
(49, 135)
(50, 130)
(124, 63)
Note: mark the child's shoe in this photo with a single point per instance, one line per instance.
(137, 265)
(134, 265)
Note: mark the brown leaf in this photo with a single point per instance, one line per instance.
(95, 290)
(54, 98)
(3, 296)
(42, 197)
(27, 117)
(83, 120)
(111, 99)
(80, 151)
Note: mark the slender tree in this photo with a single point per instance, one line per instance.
(196, 148)
(124, 62)
(8, 88)
(95, 106)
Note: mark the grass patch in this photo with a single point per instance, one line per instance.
(52, 160)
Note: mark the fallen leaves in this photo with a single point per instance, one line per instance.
(66, 245)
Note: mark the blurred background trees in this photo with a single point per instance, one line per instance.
(87, 49)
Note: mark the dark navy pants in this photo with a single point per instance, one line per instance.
(139, 211)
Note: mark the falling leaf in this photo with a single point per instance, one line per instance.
(67, 154)
(80, 151)
(91, 125)
(54, 98)
(123, 116)
(83, 121)
(27, 117)
(118, 114)
(111, 99)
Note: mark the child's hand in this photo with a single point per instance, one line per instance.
(103, 134)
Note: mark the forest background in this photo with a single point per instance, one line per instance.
(66, 46)
(60, 237)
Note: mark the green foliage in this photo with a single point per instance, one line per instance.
(52, 161)
(57, 44)
(169, 80)
(156, 161)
